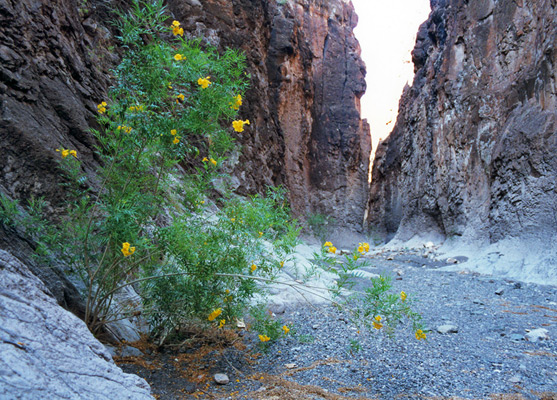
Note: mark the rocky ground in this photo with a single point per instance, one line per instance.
(488, 338)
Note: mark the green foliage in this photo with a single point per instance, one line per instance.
(374, 308)
(266, 325)
(148, 223)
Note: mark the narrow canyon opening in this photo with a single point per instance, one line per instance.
(387, 34)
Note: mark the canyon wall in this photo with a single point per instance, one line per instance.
(473, 154)
(306, 78)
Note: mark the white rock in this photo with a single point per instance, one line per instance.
(537, 334)
(61, 359)
(452, 260)
(444, 329)
(221, 379)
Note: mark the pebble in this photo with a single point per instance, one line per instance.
(444, 329)
(516, 337)
(515, 379)
(130, 351)
(537, 334)
(221, 379)
(500, 291)
(452, 260)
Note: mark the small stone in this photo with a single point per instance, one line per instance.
(444, 329)
(315, 327)
(278, 307)
(241, 324)
(390, 258)
(500, 291)
(515, 379)
(130, 351)
(452, 260)
(221, 379)
(399, 272)
(290, 365)
(478, 301)
(537, 334)
(517, 285)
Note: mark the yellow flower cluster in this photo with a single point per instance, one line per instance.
(253, 267)
(179, 98)
(331, 249)
(221, 323)
(127, 250)
(215, 314)
(403, 296)
(237, 102)
(363, 248)
(126, 129)
(204, 82)
(377, 322)
(179, 57)
(420, 334)
(264, 338)
(176, 30)
(101, 108)
(176, 140)
(238, 125)
(285, 329)
(67, 152)
(211, 160)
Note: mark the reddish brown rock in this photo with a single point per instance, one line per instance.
(306, 81)
(473, 150)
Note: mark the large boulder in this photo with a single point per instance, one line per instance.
(47, 352)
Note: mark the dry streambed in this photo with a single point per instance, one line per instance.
(488, 338)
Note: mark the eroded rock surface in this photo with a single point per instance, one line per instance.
(48, 353)
(473, 152)
(304, 99)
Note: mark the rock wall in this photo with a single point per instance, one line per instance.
(304, 99)
(473, 152)
(48, 353)
(306, 81)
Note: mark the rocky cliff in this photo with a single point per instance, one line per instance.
(303, 102)
(472, 155)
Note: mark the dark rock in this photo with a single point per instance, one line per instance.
(468, 155)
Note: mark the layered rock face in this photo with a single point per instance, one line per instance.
(473, 152)
(303, 102)
(306, 81)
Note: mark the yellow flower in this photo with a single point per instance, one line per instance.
(73, 153)
(221, 323)
(215, 314)
(264, 338)
(281, 264)
(403, 296)
(176, 30)
(327, 244)
(205, 159)
(204, 82)
(101, 108)
(124, 128)
(260, 233)
(377, 322)
(173, 132)
(238, 125)
(285, 329)
(136, 108)
(253, 267)
(237, 102)
(366, 246)
(420, 334)
(179, 57)
(361, 249)
(180, 97)
(332, 249)
(176, 140)
(127, 250)
(213, 162)
(226, 291)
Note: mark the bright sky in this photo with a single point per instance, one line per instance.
(387, 33)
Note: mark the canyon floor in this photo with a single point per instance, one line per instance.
(488, 338)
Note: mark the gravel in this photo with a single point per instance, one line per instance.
(325, 357)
